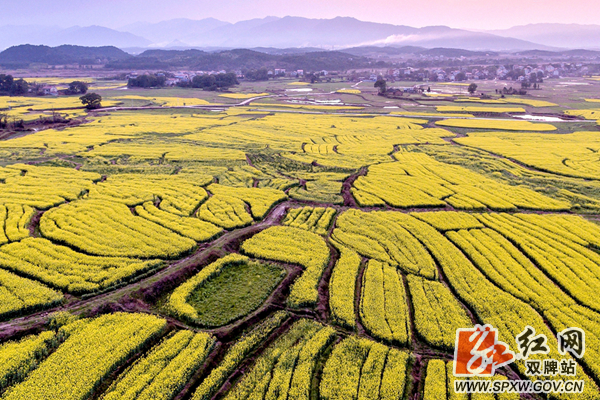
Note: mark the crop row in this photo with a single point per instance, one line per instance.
(66, 269)
(225, 211)
(192, 228)
(43, 187)
(573, 266)
(437, 313)
(179, 194)
(261, 200)
(165, 370)
(313, 219)
(286, 368)
(383, 304)
(110, 229)
(93, 350)
(363, 369)
(417, 180)
(17, 359)
(375, 236)
(491, 304)
(13, 222)
(512, 271)
(572, 155)
(342, 287)
(19, 295)
(236, 354)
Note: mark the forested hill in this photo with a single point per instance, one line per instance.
(24, 55)
(241, 59)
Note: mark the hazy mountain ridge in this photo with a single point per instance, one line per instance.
(573, 36)
(269, 32)
(336, 33)
(94, 36)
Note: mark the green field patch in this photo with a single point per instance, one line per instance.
(239, 289)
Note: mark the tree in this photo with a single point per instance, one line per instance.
(91, 101)
(19, 88)
(6, 82)
(147, 81)
(460, 77)
(472, 88)
(381, 84)
(77, 87)
(261, 74)
(225, 81)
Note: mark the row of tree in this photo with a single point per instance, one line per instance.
(204, 82)
(212, 82)
(147, 81)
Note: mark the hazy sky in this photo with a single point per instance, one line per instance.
(474, 14)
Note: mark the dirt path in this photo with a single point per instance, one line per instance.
(148, 287)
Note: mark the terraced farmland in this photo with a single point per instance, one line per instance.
(317, 253)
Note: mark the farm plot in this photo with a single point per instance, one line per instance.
(507, 125)
(91, 352)
(313, 219)
(66, 269)
(417, 180)
(286, 367)
(437, 313)
(224, 291)
(178, 194)
(297, 246)
(380, 288)
(110, 229)
(484, 110)
(383, 304)
(342, 287)
(360, 368)
(20, 295)
(43, 187)
(14, 221)
(164, 150)
(574, 154)
(165, 370)
(376, 236)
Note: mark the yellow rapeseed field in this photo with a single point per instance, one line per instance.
(505, 125)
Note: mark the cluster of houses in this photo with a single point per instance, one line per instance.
(522, 73)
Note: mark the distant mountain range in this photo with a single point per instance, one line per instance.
(336, 33)
(296, 32)
(76, 35)
(571, 36)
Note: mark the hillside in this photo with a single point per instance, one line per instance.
(24, 55)
(241, 59)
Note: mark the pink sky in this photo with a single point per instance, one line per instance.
(474, 14)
